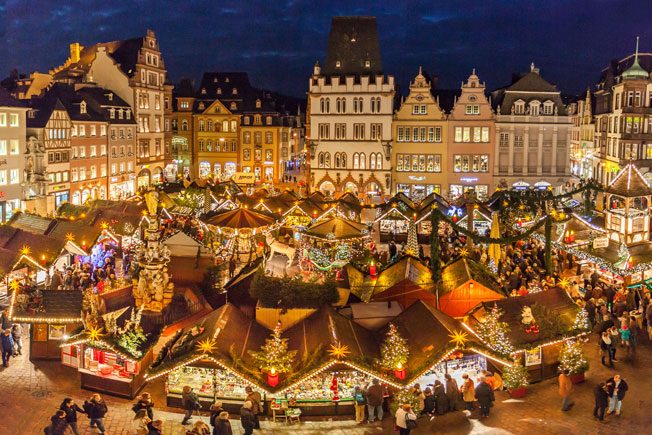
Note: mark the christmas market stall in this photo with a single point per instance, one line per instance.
(112, 353)
(52, 314)
(465, 283)
(212, 356)
(331, 243)
(447, 348)
(533, 328)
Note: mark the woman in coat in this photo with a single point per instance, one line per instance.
(247, 418)
(429, 402)
(144, 407)
(71, 409)
(485, 395)
(452, 392)
(441, 401)
(468, 392)
(223, 425)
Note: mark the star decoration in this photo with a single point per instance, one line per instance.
(104, 225)
(459, 338)
(564, 283)
(14, 285)
(70, 237)
(339, 350)
(464, 252)
(94, 334)
(207, 345)
(25, 250)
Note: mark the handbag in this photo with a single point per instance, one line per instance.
(410, 424)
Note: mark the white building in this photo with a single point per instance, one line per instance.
(12, 154)
(350, 106)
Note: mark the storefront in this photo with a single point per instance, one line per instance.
(481, 190)
(144, 178)
(456, 366)
(121, 187)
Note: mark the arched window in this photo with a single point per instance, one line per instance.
(360, 105)
(322, 105)
(343, 105)
(320, 160)
(355, 105)
(379, 161)
(363, 161)
(184, 125)
(225, 125)
(356, 158)
(377, 104)
(343, 160)
(372, 161)
(337, 160)
(328, 105)
(534, 107)
(327, 160)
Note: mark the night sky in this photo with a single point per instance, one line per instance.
(278, 41)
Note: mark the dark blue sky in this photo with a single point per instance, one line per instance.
(278, 41)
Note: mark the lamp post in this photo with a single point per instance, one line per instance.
(311, 148)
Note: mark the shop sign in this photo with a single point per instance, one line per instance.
(417, 178)
(245, 178)
(469, 179)
(533, 357)
(600, 242)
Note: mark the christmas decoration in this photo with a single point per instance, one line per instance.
(339, 350)
(208, 345)
(404, 397)
(494, 332)
(274, 355)
(335, 389)
(459, 338)
(394, 350)
(527, 319)
(515, 376)
(581, 321)
(572, 358)
(412, 246)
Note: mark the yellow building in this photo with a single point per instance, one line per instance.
(261, 136)
(216, 140)
(419, 151)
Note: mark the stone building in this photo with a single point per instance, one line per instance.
(350, 110)
(13, 151)
(532, 134)
(623, 117)
(419, 151)
(182, 142)
(471, 141)
(582, 151)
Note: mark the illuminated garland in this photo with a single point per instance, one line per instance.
(394, 351)
(572, 358)
(493, 332)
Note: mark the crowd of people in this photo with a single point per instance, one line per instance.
(11, 343)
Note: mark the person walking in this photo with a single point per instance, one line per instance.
(406, 420)
(374, 396)
(247, 418)
(222, 425)
(616, 388)
(565, 389)
(256, 405)
(452, 392)
(190, 402)
(143, 407)
(605, 348)
(96, 409)
(58, 424)
(429, 404)
(485, 396)
(601, 400)
(16, 334)
(468, 392)
(359, 402)
(71, 409)
(7, 344)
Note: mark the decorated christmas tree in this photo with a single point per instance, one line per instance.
(494, 332)
(394, 351)
(403, 397)
(412, 246)
(515, 376)
(581, 321)
(571, 358)
(274, 355)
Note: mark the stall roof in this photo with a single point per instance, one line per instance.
(464, 269)
(337, 228)
(14, 242)
(59, 306)
(629, 183)
(560, 305)
(240, 218)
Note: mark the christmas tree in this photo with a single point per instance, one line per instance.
(403, 397)
(571, 358)
(412, 246)
(581, 321)
(394, 351)
(515, 376)
(274, 355)
(494, 332)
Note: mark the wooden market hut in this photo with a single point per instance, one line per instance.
(465, 284)
(337, 228)
(52, 314)
(555, 315)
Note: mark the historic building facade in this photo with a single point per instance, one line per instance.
(532, 134)
(182, 141)
(623, 117)
(582, 152)
(471, 141)
(419, 152)
(350, 112)
(12, 154)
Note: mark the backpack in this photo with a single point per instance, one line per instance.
(360, 399)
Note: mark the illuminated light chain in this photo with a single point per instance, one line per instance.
(38, 319)
(551, 343)
(391, 210)
(102, 345)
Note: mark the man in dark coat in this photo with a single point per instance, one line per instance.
(441, 401)
(601, 400)
(484, 395)
(96, 409)
(71, 409)
(374, 396)
(616, 388)
(452, 392)
(7, 346)
(247, 418)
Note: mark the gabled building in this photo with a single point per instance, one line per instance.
(13, 153)
(134, 69)
(182, 142)
(471, 141)
(350, 110)
(419, 151)
(623, 116)
(533, 131)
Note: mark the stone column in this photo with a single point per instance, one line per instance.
(510, 167)
(526, 149)
(497, 152)
(553, 166)
(540, 152)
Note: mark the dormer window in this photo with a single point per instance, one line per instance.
(110, 96)
(127, 113)
(269, 120)
(201, 106)
(247, 120)
(472, 98)
(31, 114)
(519, 107)
(112, 113)
(548, 107)
(233, 106)
(215, 80)
(219, 91)
(367, 64)
(534, 107)
(203, 91)
(82, 107)
(338, 64)
(258, 104)
(227, 80)
(234, 91)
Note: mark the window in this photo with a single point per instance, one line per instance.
(466, 134)
(324, 131)
(3, 147)
(340, 131)
(485, 134)
(103, 170)
(93, 151)
(184, 125)
(102, 130)
(93, 172)
(269, 138)
(102, 150)
(358, 131)
(114, 169)
(14, 147)
(472, 109)
(93, 130)
(258, 138)
(400, 135)
(14, 176)
(82, 130)
(477, 134)
(376, 131)
(519, 108)
(548, 108)
(3, 119)
(3, 177)
(246, 137)
(518, 140)
(504, 139)
(82, 174)
(356, 161)
(82, 152)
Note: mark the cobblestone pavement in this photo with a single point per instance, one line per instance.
(30, 393)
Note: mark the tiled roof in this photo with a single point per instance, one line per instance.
(57, 304)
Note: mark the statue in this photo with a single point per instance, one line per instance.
(151, 199)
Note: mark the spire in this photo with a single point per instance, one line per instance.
(636, 71)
